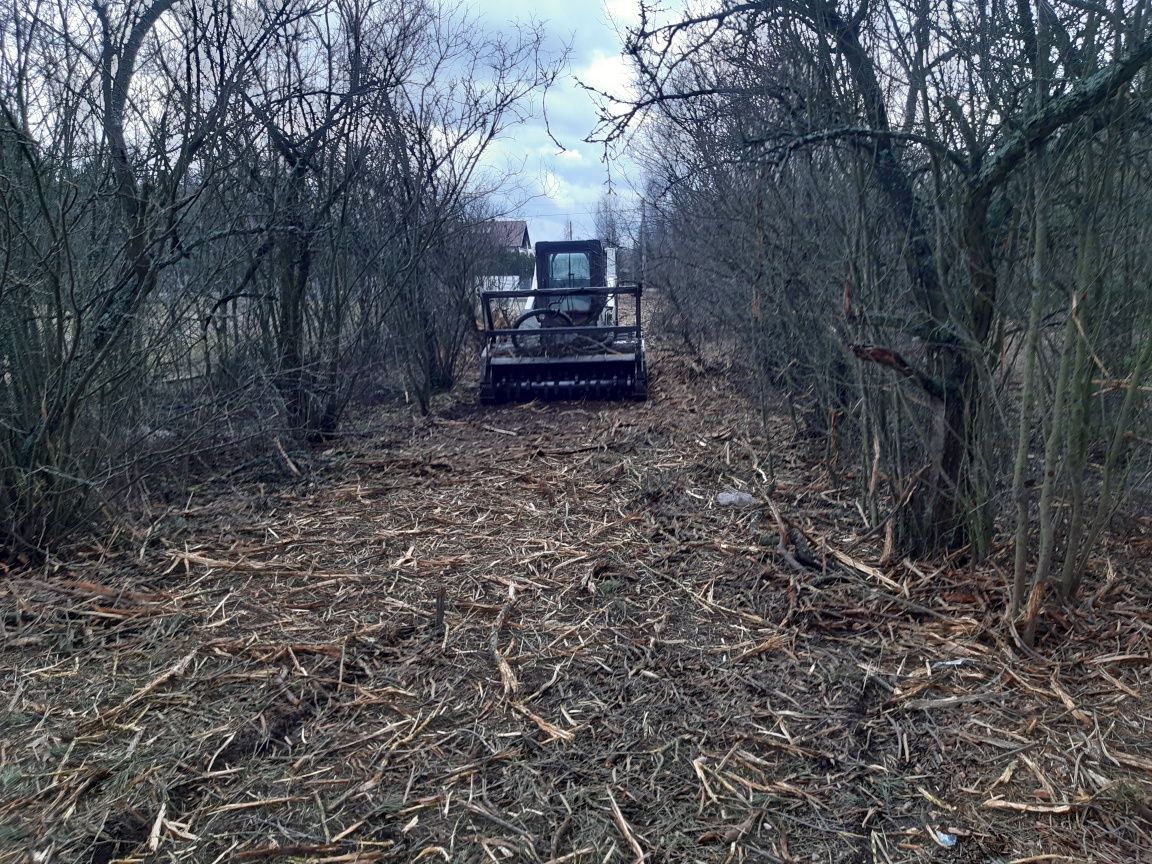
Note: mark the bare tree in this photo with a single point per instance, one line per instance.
(607, 220)
(221, 222)
(823, 143)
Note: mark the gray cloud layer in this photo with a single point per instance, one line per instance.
(564, 184)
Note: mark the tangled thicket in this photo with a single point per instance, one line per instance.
(225, 221)
(928, 222)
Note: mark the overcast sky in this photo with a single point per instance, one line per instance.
(566, 184)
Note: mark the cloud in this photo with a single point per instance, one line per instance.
(623, 13)
(558, 184)
(607, 73)
(558, 190)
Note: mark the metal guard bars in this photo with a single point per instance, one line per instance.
(610, 364)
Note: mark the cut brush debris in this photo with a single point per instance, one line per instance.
(534, 635)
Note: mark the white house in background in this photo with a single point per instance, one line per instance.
(507, 266)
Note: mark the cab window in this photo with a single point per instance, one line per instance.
(570, 270)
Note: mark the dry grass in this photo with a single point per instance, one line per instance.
(529, 634)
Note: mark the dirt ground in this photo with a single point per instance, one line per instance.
(533, 634)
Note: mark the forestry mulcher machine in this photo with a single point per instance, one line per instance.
(568, 338)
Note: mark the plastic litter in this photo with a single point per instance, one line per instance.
(730, 498)
(942, 838)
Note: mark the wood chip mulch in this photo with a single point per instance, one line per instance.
(533, 634)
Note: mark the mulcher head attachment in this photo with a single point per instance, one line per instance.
(570, 337)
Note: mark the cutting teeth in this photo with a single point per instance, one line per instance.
(526, 389)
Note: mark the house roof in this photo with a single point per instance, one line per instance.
(510, 233)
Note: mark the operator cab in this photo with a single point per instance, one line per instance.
(574, 264)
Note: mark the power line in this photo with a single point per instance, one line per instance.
(634, 209)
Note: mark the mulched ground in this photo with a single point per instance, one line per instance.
(533, 634)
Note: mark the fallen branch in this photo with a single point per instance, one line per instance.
(626, 829)
(507, 676)
(782, 546)
(155, 684)
(1021, 807)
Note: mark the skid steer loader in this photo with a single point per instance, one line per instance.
(571, 339)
